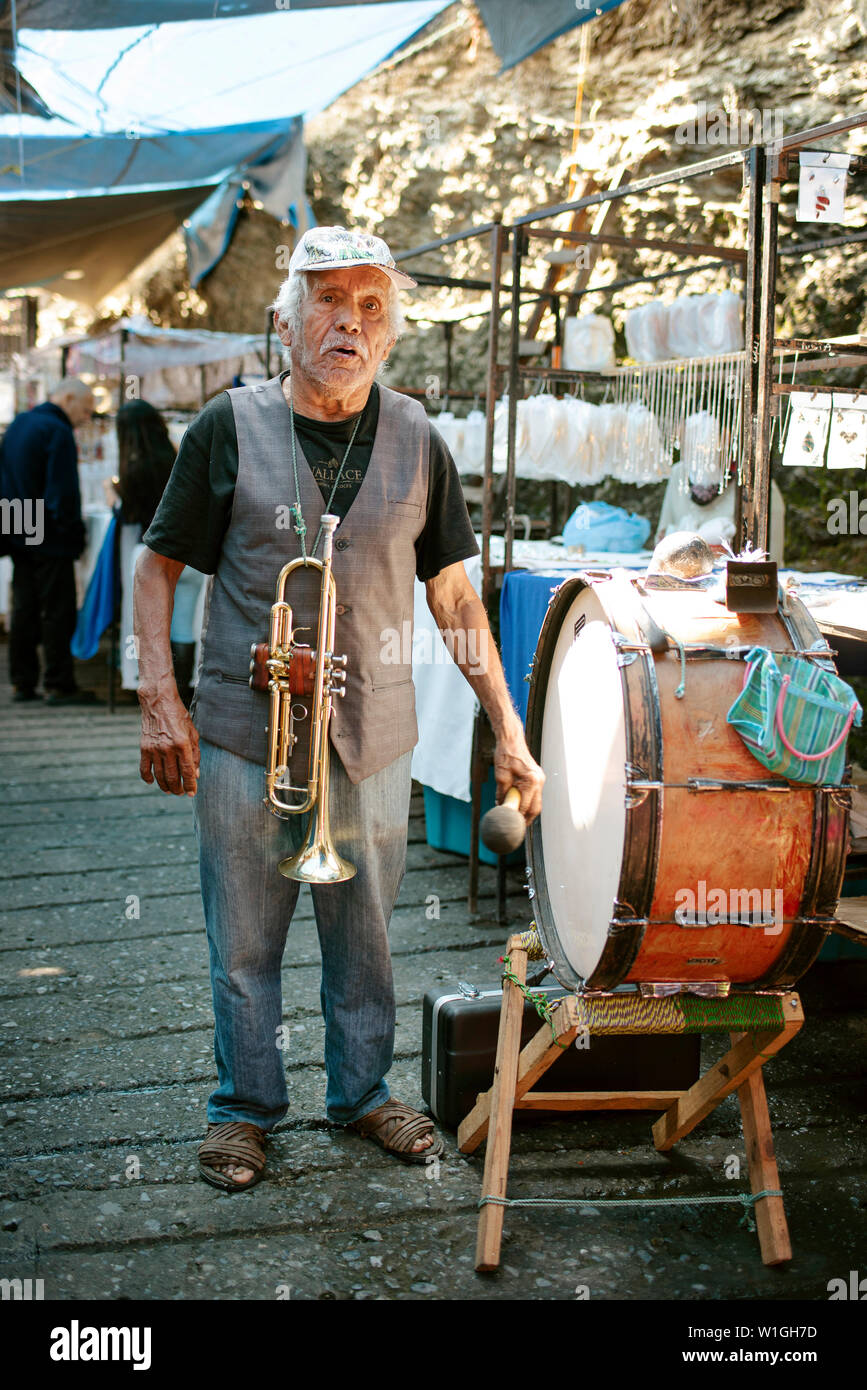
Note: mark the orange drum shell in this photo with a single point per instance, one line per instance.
(730, 840)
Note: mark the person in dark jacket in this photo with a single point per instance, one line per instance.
(45, 534)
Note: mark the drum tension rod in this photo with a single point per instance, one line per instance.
(708, 784)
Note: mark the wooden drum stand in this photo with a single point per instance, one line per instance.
(759, 1026)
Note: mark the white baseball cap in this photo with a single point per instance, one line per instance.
(339, 248)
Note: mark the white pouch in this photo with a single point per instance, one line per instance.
(588, 343)
(541, 412)
(847, 433)
(474, 442)
(613, 442)
(718, 323)
(700, 448)
(683, 327)
(452, 431)
(807, 434)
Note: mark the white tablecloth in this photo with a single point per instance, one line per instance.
(444, 701)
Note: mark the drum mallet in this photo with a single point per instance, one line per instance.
(503, 827)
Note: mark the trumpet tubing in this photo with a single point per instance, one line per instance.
(317, 674)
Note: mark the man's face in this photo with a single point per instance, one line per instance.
(344, 333)
(77, 408)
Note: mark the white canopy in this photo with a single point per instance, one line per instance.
(149, 348)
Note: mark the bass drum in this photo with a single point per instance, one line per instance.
(665, 854)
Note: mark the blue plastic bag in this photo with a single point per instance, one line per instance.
(100, 602)
(599, 526)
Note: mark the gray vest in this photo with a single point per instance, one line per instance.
(373, 566)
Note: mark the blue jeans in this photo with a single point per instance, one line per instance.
(248, 907)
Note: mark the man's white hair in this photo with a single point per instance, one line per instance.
(296, 287)
(68, 386)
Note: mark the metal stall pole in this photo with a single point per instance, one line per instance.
(519, 246)
(754, 172)
(499, 239)
(114, 629)
(756, 512)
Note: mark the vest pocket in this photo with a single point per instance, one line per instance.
(411, 510)
(382, 686)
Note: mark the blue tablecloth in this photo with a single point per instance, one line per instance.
(523, 604)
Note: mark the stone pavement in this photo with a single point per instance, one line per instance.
(107, 1063)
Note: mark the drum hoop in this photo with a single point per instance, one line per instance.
(642, 833)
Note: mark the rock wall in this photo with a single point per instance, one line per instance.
(439, 139)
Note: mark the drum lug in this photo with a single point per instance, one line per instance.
(841, 796)
(627, 651)
(707, 989)
(638, 786)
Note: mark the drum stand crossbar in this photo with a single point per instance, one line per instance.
(759, 1026)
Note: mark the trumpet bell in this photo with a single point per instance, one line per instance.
(317, 861)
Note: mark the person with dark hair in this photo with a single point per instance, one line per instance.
(146, 457)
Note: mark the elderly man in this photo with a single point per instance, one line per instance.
(324, 437)
(39, 480)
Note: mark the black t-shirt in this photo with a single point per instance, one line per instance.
(196, 507)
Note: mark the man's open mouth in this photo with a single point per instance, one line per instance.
(344, 351)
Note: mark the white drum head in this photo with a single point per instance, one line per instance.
(583, 756)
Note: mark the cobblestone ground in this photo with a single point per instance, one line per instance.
(106, 1059)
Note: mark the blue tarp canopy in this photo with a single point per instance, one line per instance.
(520, 27)
(517, 27)
(158, 112)
(153, 124)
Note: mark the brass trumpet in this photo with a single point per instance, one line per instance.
(296, 669)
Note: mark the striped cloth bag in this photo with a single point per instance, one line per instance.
(795, 717)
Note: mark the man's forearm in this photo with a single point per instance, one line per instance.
(474, 650)
(153, 602)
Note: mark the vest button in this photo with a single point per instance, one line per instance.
(341, 544)
(343, 608)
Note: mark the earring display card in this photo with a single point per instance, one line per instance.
(822, 187)
(847, 435)
(807, 435)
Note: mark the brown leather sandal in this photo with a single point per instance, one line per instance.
(395, 1127)
(233, 1141)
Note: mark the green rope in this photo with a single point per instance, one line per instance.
(748, 1199)
(681, 689)
(540, 1003)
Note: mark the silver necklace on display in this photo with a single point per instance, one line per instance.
(295, 510)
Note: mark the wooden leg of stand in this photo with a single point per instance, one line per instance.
(771, 1224)
(494, 1182)
(749, 1053)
